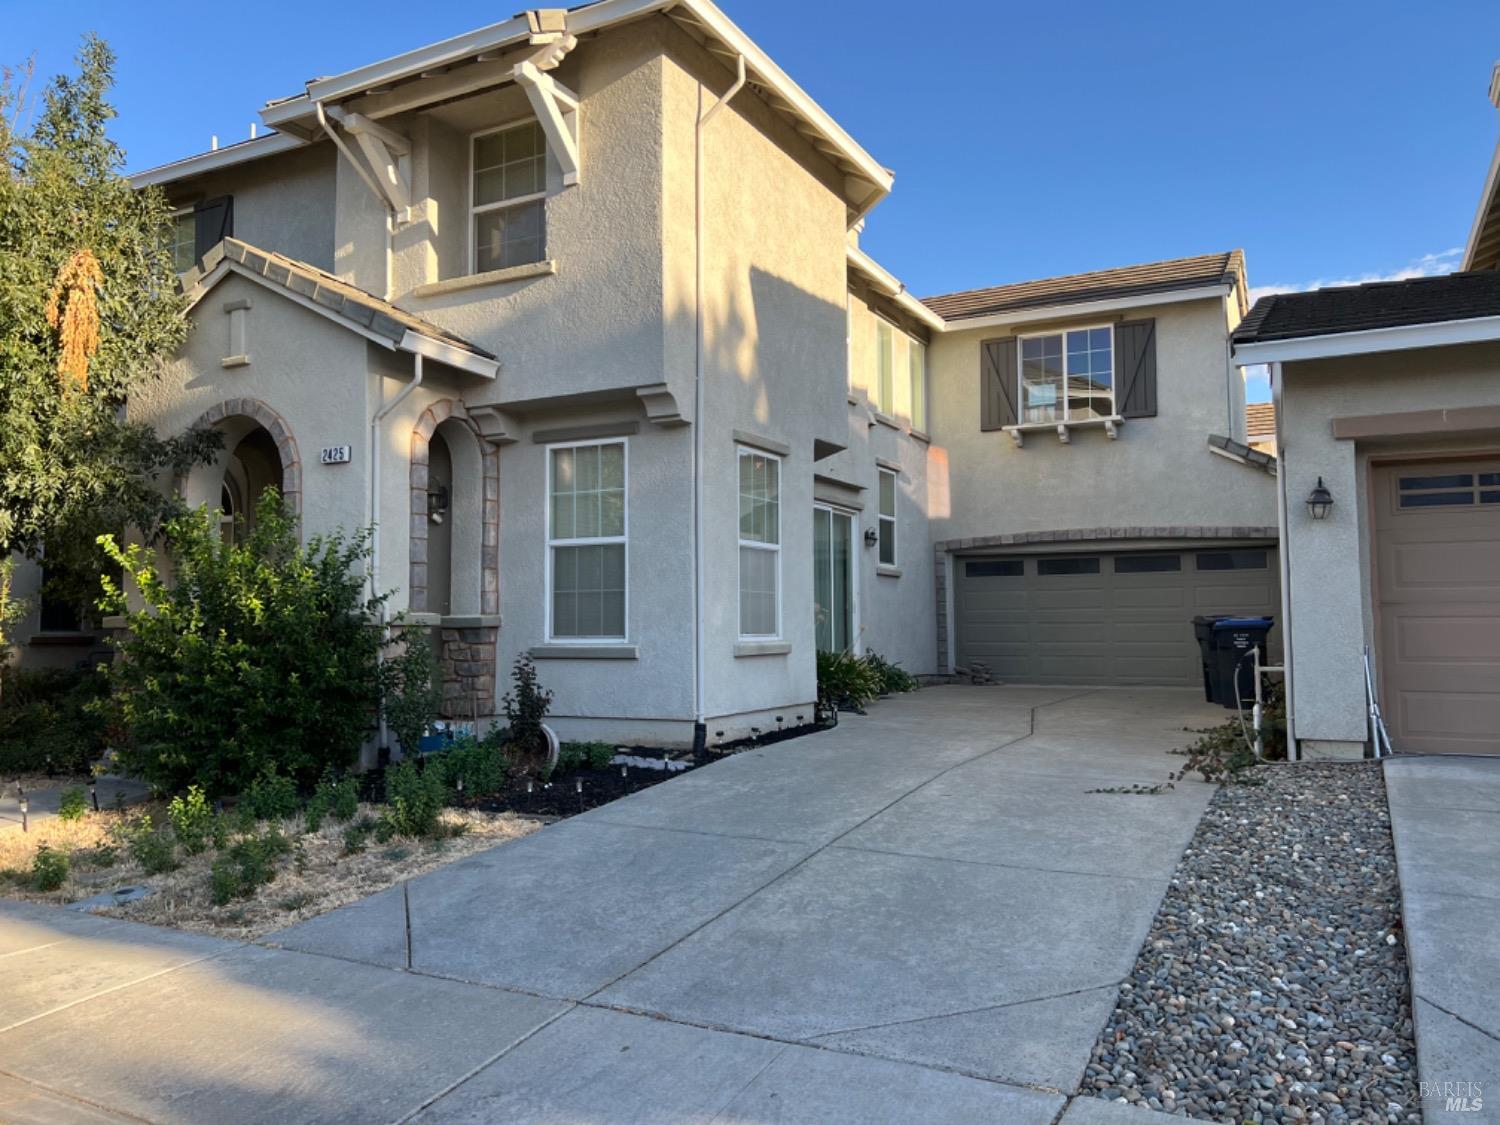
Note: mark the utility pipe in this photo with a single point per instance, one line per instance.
(1293, 751)
(380, 415)
(390, 213)
(700, 718)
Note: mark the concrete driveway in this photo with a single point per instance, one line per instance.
(922, 915)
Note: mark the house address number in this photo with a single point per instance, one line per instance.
(337, 454)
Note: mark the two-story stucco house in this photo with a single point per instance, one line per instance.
(573, 310)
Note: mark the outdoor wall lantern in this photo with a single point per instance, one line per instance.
(871, 537)
(437, 503)
(1319, 501)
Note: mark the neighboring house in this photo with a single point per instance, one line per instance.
(573, 308)
(1389, 398)
(1260, 427)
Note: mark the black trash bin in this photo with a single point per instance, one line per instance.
(1230, 642)
(1203, 629)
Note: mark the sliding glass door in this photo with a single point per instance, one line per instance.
(833, 578)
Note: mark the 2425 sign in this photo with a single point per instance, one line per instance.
(337, 454)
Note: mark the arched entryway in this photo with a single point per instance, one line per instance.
(259, 452)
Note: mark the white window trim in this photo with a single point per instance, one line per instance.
(914, 348)
(886, 408)
(756, 544)
(881, 519)
(182, 213)
(1063, 419)
(483, 208)
(553, 639)
(856, 634)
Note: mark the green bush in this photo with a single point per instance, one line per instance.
(413, 690)
(892, 679)
(192, 820)
(271, 796)
(49, 869)
(844, 680)
(471, 769)
(415, 798)
(355, 837)
(72, 803)
(526, 705)
(256, 653)
(596, 755)
(338, 799)
(154, 850)
(247, 864)
(50, 718)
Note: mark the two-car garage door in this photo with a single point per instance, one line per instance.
(1104, 618)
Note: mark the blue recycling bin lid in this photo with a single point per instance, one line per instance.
(1227, 623)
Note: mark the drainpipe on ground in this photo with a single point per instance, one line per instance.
(1293, 753)
(700, 727)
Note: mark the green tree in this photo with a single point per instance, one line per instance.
(89, 311)
(258, 655)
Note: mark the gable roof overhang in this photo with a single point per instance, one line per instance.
(1482, 251)
(362, 313)
(472, 62)
(888, 285)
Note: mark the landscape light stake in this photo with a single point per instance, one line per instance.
(94, 795)
(578, 788)
(779, 720)
(25, 806)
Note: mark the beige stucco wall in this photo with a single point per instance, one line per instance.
(283, 203)
(1332, 605)
(1158, 473)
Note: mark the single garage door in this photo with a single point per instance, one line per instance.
(1108, 618)
(1437, 569)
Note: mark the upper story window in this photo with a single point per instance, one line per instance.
(1067, 376)
(916, 361)
(887, 516)
(885, 372)
(760, 544)
(508, 188)
(586, 537)
(182, 241)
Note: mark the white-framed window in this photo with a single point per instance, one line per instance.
(760, 544)
(887, 514)
(587, 528)
(885, 366)
(1067, 376)
(916, 362)
(508, 197)
(183, 240)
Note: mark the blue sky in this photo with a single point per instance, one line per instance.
(1333, 140)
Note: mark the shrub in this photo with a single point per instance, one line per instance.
(526, 705)
(355, 837)
(192, 820)
(891, 678)
(246, 865)
(472, 769)
(1224, 753)
(344, 799)
(415, 797)
(844, 680)
(154, 850)
(595, 755)
(72, 803)
(49, 869)
(413, 690)
(100, 855)
(271, 796)
(257, 653)
(50, 719)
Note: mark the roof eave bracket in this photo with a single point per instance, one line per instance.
(556, 110)
(389, 154)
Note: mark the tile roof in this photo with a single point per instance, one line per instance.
(1260, 418)
(1101, 285)
(352, 303)
(1380, 304)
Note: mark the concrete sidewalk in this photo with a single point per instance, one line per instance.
(1445, 817)
(922, 915)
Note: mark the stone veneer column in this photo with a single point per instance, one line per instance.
(468, 671)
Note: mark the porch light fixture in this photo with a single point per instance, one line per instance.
(437, 503)
(1319, 501)
(871, 537)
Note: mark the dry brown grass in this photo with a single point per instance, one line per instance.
(316, 878)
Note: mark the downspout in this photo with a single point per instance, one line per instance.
(374, 524)
(1293, 754)
(390, 214)
(700, 719)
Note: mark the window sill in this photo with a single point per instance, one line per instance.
(920, 435)
(490, 277)
(761, 648)
(1063, 430)
(585, 652)
(887, 571)
(884, 419)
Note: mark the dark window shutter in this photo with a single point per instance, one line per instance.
(1135, 367)
(213, 222)
(997, 383)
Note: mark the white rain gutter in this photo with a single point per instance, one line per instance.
(390, 214)
(700, 718)
(1293, 754)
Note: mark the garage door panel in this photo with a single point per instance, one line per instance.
(1437, 577)
(1128, 623)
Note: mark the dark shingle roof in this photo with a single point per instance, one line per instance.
(1380, 304)
(354, 304)
(1101, 285)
